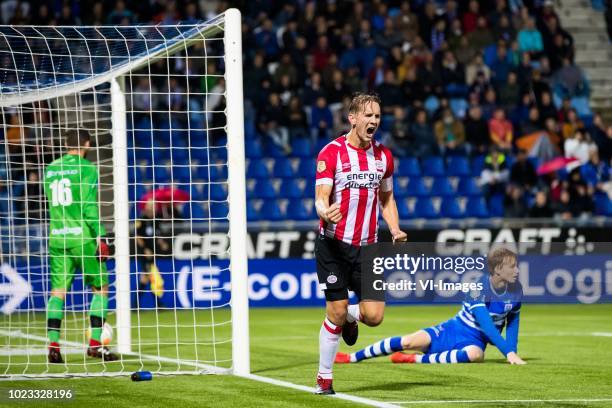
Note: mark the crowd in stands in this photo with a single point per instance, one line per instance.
(491, 82)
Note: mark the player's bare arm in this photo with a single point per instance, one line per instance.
(328, 213)
(390, 215)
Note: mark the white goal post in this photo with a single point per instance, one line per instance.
(164, 106)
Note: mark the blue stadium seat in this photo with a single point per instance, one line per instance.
(299, 210)
(442, 187)
(431, 104)
(307, 169)
(603, 205)
(180, 155)
(271, 210)
(302, 147)
(264, 188)
(403, 209)
(581, 104)
(467, 186)
(459, 106)
(535, 161)
(218, 191)
(458, 166)
(258, 169)
(218, 210)
(476, 207)
(218, 171)
(433, 166)
(589, 174)
(423, 208)
(194, 211)
(273, 150)
(416, 187)
(253, 148)
(251, 212)
(400, 187)
(161, 155)
(496, 205)
(290, 188)
(409, 166)
(449, 208)
(158, 174)
(477, 165)
(282, 168)
(182, 174)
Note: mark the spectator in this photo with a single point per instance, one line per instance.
(569, 81)
(413, 90)
(376, 76)
(501, 66)
(504, 30)
(509, 92)
(438, 35)
(522, 172)
(400, 139)
(572, 124)
(489, 103)
(390, 93)
(427, 20)
(475, 67)
(407, 22)
(514, 202)
(546, 107)
(596, 172)
(501, 131)
(533, 123)
(477, 131)
(337, 90)
(481, 36)
(429, 77)
(599, 134)
(450, 134)
(494, 175)
(313, 89)
(271, 123)
(389, 37)
(452, 74)
(265, 38)
(322, 120)
(470, 18)
(530, 39)
(286, 68)
(119, 13)
(563, 208)
(578, 146)
(541, 208)
(296, 119)
(422, 135)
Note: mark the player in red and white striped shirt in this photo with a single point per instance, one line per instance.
(354, 183)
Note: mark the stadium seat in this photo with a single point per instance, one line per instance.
(400, 186)
(158, 174)
(449, 208)
(403, 209)
(302, 147)
(253, 148)
(477, 165)
(218, 191)
(431, 104)
(273, 150)
(433, 166)
(307, 169)
(218, 171)
(476, 207)
(423, 208)
(180, 155)
(589, 175)
(219, 210)
(182, 174)
(409, 166)
(459, 106)
(496, 205)
(282, 168)
(300, 210)
(272, 210)
(264, 188)
(416, 188)
(251, 211)
(442, 187)
(258, 169)
(467, 186)
(290, 188)
(581, 104)
(603, 204)
(458, 166)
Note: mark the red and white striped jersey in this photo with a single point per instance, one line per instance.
(356, 175)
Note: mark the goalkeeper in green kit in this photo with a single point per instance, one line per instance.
(76, 241)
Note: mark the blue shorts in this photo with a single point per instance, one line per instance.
(453, 335)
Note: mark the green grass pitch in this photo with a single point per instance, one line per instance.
(568, 349)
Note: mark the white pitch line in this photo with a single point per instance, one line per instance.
(346, 397)
(602, 334)
(342, 396)
(521, 401)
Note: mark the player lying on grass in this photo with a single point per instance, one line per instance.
(464, 338)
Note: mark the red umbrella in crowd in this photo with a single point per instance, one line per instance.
(162, 197)
(558, 163)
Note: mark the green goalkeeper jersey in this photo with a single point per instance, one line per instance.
(71, 187)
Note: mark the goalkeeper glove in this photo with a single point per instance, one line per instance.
(106, 248)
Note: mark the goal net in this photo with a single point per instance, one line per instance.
(163, 107)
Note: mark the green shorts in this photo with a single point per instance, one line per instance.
(64, 261)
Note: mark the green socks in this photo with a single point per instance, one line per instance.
(97, 315)
(55, 314)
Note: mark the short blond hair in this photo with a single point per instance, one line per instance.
(497, 256)
(360, 100)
